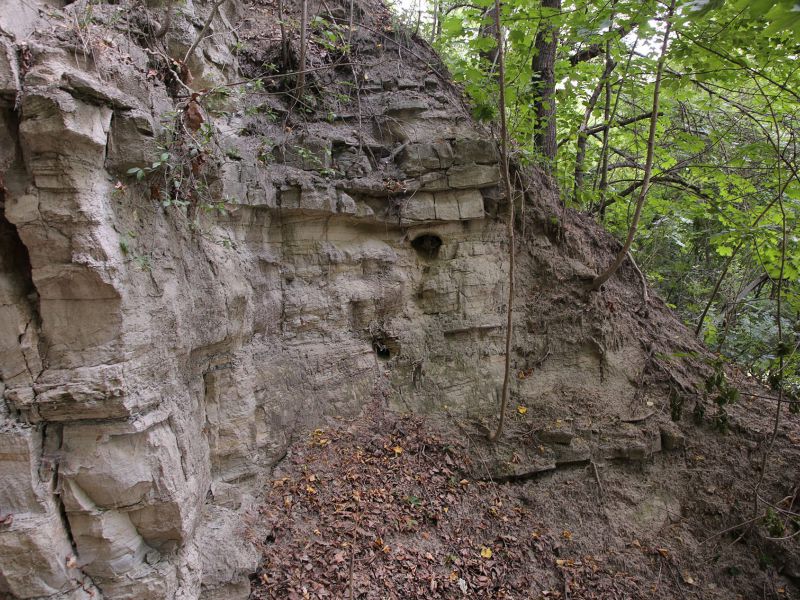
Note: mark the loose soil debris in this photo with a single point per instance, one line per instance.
(382, 508)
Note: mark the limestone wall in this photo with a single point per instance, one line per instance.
(155, 361)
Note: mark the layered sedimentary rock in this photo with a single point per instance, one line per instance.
(201, 261)
(155, 360)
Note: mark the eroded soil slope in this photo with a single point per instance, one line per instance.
(389, 506)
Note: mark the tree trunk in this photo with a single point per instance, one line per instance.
(435, 24)
(583, 134)
(544, 81)
(604, 151)
(648, 165)
(301, 76)
(488, 29)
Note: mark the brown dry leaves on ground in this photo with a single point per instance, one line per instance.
(381, 509)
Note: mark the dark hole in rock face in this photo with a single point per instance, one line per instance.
(427, 245)
(381, 349)
(14, 259)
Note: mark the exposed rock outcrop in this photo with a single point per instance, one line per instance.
(197, 264)
(156, 361)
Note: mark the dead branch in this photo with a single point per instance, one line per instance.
(501, 75)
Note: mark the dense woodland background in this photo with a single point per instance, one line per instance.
(717, 235)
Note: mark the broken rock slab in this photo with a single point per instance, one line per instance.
(9, 72)
(442, 206)
(418, 158)
(472, 150)
(227, 555)
(33, 543)
(473, 176)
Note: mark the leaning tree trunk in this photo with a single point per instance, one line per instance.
(648, 165)
(544, 81)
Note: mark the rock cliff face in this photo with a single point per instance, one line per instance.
(198, 264)
(156, 360)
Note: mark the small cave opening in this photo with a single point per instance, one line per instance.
(382, 349)
(427, 245)
(14, 259)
